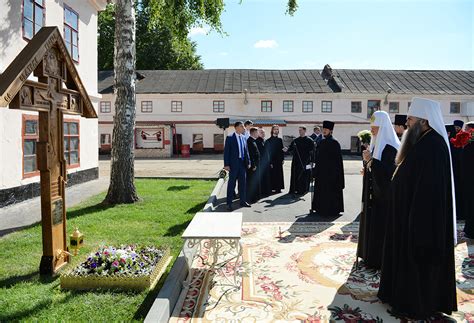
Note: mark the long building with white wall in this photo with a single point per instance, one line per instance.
(20, 20)
(181, 107)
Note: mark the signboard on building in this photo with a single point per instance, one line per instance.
(152, 138)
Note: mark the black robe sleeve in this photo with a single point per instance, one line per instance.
(382, 171)
(253, 152)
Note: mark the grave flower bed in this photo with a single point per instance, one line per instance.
(124, 267)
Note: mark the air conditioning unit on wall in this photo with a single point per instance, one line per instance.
(467, 109)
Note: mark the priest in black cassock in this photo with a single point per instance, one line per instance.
(379, 165)
(265, 183)
(274, 146)
(468, 183)
(418, 268)
(329, 175)
(400, 125)
(254, 171)
(302, 149)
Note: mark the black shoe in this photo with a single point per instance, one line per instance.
(245, 204)
(229, 208)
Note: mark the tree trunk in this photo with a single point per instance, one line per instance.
(122, 186)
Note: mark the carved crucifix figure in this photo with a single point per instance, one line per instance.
(47, 57)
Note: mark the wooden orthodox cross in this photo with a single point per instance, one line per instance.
(58, 91)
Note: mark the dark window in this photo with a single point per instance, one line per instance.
(266, 106)
(307, 106)
(455, 107)
(394, 107)
(326, 106)
(33, 17)
(30, 137)
(105, 139)
(218, 106)
(176, 106)
(372, 106)
(409, 104)
(105, 107)
(356, 107)
(288, 106)
(71, 143)
(147, 106)
(71, 32)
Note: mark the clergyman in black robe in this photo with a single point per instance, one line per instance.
(418, 267)
(265, 182)
(302, 149)
(274, 146)
(379, 165)
(328, 198)
(399, 125)
(468, 184)
(253, 173)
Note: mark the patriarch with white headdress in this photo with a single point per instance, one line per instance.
(418, 269)
(379, 165)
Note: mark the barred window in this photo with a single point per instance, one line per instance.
(288, 106)
(105, 107)
(147, 106)
(455, 107)
(394, 107)
(266, 106)
(356, 107)
(326, 106)
(307, 106)
(176, 106)
(218, 106)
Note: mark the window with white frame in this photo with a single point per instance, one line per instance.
(326, 106)
(394, 107)
(105, 139)
(33, 17)
(307, 106)
(288, 105)
(71, 32)
(105, 107)
(266, 106)
(147, 106)
(218, 106)
(176, 106)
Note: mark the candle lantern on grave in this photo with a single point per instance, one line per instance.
(76, 241)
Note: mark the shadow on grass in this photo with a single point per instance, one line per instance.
(88, 209)
(177, 229)
(178, 188)
(198, 207)
(147, 303)
(13, 280)
(23, 314)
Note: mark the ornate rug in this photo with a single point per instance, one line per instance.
(303, 273)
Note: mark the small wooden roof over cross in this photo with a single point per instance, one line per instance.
(59, 85)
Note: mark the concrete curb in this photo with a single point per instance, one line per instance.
(176, 177)
(212, 201)
(167, 298)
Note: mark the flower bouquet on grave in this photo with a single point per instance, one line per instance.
(462, 139)
(124, 267)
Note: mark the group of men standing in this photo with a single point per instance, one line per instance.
(408, 219)
(255, 163)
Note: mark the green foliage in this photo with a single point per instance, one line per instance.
(156, 46)
(166, 208)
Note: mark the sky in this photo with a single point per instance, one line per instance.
(370, 34)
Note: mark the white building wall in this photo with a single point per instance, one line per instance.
(12, 43)
(197, 116)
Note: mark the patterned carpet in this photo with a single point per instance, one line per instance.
(303, 273)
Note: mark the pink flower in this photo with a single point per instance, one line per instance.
(278, 296)
(115, 263)
(122, 260)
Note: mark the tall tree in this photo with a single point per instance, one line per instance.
(122, 187)
(156, 46)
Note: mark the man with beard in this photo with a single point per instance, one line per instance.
(301, 148)
(329, 175)
(418, 276)
(379, 165)
(468, 178)
(400, 125)
(265, 184)
(274, 146)
(254, 172)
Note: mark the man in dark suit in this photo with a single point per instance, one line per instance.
(236, 162)
(317, 136)
(255, 172)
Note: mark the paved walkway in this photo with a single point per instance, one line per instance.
(276, 208)
(283, 208)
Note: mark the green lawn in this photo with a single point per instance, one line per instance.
(166, 208)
